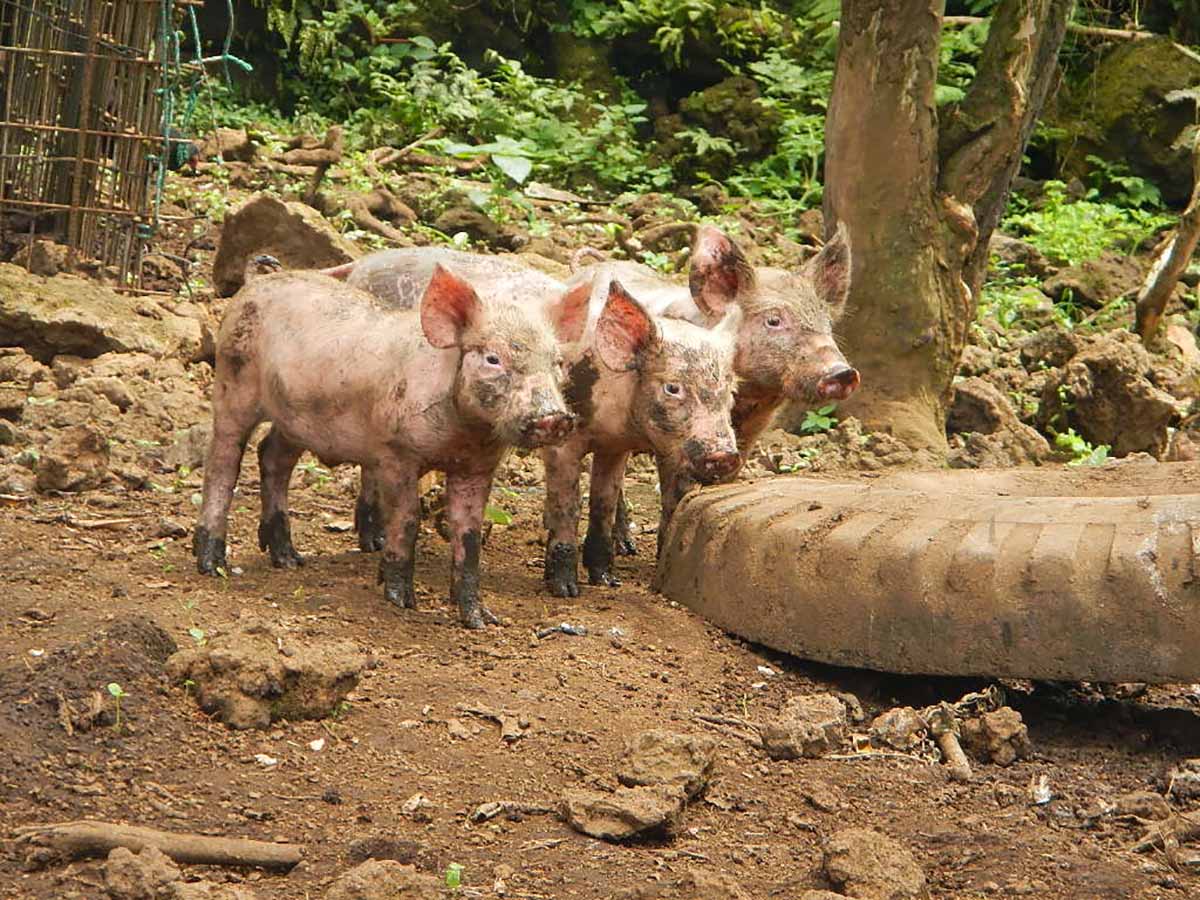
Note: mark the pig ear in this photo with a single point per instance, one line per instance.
(569, 314)
(448, 307)
(720, 271)
(624, 331)
(830, 271)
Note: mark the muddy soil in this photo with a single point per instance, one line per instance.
(78, 600)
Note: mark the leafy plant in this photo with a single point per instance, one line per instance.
(497, 516)
(1082, 452)
(1114, 180)
(820, 420)
(118, 694)
(454, 873)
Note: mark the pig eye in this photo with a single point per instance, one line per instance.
(774, 321)
(672, 389)
(492, 360)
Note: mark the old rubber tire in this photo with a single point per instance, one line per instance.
(1055, 573)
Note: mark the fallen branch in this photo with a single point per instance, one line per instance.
(1116, 34)
(1171, 262)
(1175, 830)
(88, 838)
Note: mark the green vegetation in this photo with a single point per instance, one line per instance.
(117, 693)
(817, 421)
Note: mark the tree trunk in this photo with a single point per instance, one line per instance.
(921, 199)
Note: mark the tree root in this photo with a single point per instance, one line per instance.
(89, 838)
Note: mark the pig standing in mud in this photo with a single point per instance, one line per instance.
(449, 385)
(785, 344)
(637, 382)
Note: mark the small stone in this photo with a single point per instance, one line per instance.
(625, 813)
(868, 865)
(999, 737)
(665, 757)
(809, 725)
(385, 879)
(75, 460)
(169, 528)
(1143, 804)
(901, 728)
(458, 730)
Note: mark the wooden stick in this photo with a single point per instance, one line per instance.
(1118, 34)
(1180, 828)
(88, 837)
(1171, 262)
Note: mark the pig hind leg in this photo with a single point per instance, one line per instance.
(623, 540)
(466, 497)
(368, 515)
(395, 489)
(277, 457)
(232, 426)
(607, 471)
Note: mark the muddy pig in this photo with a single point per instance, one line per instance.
(638, 383)
(449, 385)
(785, 344)
(396, 278)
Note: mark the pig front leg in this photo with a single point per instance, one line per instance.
(277, 457)
(564, 466)
(623, 542)
(466, 497)
(368, 516)
(396, 488)
(232, 425)
(608, 469)
(673, 484)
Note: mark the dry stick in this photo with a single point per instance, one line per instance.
(1171, 262)
(1119, 34)
(1184, 827)
(91, 838)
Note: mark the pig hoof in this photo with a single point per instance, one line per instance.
(479, 616)
(275, 536)
(401, 595)
(286, 558)
(605, 578)
(396, 578)
(562, 566)
(625, 546)
(564, 588)
(209, 552)
(370, 541)
(369, 525)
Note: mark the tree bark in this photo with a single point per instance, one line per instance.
(920, 198)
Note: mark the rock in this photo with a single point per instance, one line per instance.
(383, 847)
(189, 447)
(254, 674)
(695, 885)
(169, 528)
(868, 865)
(44, 258)
(822, 895)
(1105, 395)
(9, 434)
(75, 460)
(1094, 282)
(65, 314)
(625, 813)
(998, 736)
(384, 879)
(1184, 779)
(12, 402)
(1137, 107)
(20, 368)
(976, 360)
(810, 725)
(161, 273)
(1143, 804)
(1018, 256)
(1048, 348)
(665, 757)
(478, 226)
(295, 234)
(151, 875)
(901, 728)
(230, 144)
(995, 436)
(114, 390)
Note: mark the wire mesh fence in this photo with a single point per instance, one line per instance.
(81, 126)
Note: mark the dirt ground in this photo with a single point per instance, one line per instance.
(644, 663)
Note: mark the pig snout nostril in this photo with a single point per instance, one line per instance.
(719, 464)
(555, 426)
(839, 384)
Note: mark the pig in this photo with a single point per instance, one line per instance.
(785, 344)
(637, 383)
(448, 385)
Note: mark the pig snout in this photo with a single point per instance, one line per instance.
(713, 467)
(838, 384)
(546, 430)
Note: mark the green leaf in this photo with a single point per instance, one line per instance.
(497, 516)
(197, 635)
(115, 690)
(454, 875)
(515, 167)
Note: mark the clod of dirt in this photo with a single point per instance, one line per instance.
(384, 879)
(822, 895)
(901, 728)
(1048, 348)
(1105, 395)
(44, 258)
(811, 725)
(1095, 281)
(256, 673)
(867, 865)
(477, 224)
(75, 460)
(231, 144)
(151, 875)
(65, 314)
(1143, 805)
(998, 736)
(1019, 254)
(625, 813)
(996, 437)
(295, 234)
(665, 757)
(21, 369)
(383, 847)
(189, 447)
(695, 885)
(1184, 779)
